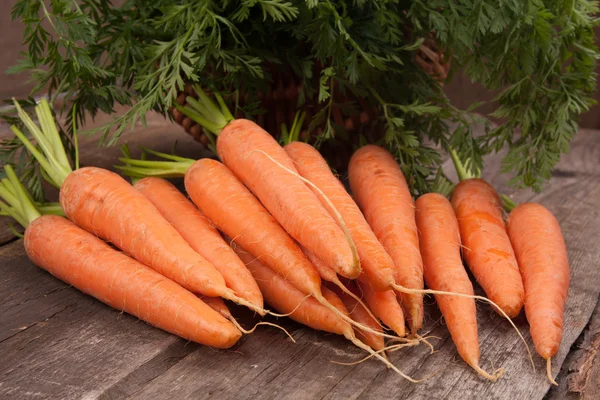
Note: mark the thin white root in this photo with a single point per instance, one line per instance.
(549, 371)
(230, 295)
(349, 320)
(291, 312)
(403, 289)
(247, 332)
(334, 210)
(363, 346)
(344, 289)
(497, 373)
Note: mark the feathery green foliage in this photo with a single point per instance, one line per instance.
(539, 54)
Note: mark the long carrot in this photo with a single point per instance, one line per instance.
(487, 249)
(443, 270)
(285, 298)
(381, 191)
(542, 256)
(103, 203)
(201, 235)
(247, 150)
(360, 313)
(82, 260)
(224, 199)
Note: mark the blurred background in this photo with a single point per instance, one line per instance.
(460, 90)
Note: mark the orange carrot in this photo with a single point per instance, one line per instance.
(285, 298)
(248, 150)
(201, 235)
(443, 270)
(542, 256)
(381, 191)
(377, 265)
(486, 247)
(385, 306)
(103, 203)
(92, 266)
(359, 313)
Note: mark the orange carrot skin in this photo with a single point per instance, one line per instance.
(359, 314)
(487, 249)
(236, 212)
(542, 255)
(92, 266)
(381, 191)
(286, 197)
(217, 304)
(201, 235)
(326, 273)
(375, 262)
(439, 237)
(285, 298)
(384, 306)
(103, 203)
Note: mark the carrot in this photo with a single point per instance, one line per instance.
(439, 237)
(542, 256)
(217, 304)
(360, 313)
(224, 199)
(82, 260)
(385, 306)
(246, 149)
(103, 203)
(201, 235)
(486, 247)
(381, 191)
(285, 298)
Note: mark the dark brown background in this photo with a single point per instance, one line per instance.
(461, 91)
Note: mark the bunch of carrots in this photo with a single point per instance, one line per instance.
(273, 224)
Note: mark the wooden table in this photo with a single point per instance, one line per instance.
(56, 342)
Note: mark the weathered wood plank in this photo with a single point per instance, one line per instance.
(74, 347)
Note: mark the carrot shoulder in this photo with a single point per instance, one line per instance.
(542, 256)
(381, 191)
(486, 247)
(439, 238)
(92, 266)
(201, 235)
(252, 154)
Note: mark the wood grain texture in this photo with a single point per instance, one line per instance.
(58, 343)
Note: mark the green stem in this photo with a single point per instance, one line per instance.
(508, 204)
(462, 172)
(27, 208)
(199, 119)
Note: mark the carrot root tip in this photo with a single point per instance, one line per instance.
(549, 371)
(492, 377)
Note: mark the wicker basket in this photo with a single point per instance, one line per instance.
(281, 100)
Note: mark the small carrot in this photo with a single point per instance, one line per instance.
(105, 204)
(87, 263)
(486, 247)
(381, 191)
(439, 238)
(360, 313)
(542, 256)
(201, 235)
(246, 149)
(285, 298)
